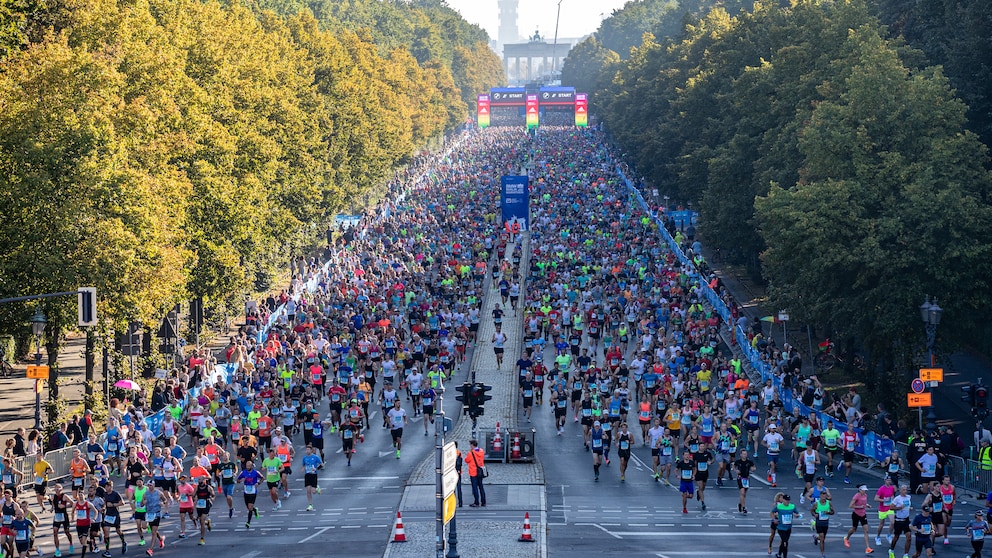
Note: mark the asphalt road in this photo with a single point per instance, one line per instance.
(641, 517)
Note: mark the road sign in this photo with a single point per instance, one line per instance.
(782, 316)
(448, 482)
(918, 385)
(932, 374)
(37, 372)
(450, 454)
(919, 399)
(450, 504)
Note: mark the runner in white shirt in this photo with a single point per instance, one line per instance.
(397, 420)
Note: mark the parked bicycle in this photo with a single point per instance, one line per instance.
(827, 357)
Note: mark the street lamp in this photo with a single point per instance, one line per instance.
(38, 323)
(930, 313)
(554, 46)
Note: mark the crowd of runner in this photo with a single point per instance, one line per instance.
(617, 342)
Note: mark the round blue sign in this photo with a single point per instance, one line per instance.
(918, 385)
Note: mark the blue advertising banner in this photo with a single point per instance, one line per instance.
(515, 200)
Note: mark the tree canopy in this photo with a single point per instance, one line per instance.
(162, 149)
(811, 135)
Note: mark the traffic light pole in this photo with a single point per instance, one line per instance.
(439, 475)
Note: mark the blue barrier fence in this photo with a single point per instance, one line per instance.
(869, 445)
(220, 372)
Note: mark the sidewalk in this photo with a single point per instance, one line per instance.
(511, 488)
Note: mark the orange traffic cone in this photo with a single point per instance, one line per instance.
(400, 536)
(497, 441)
(526, 537)
(515, 452)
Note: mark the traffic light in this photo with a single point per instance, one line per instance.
(86, 297)
(981, 397)
(478, 398)
(970, 398)
(465, 396)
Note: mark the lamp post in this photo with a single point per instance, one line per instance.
(554, 46)
(38, 323)
(930, 313)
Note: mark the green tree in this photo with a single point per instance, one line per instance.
(891, 205)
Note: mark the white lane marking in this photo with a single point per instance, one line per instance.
(600, 527)
(317, 534)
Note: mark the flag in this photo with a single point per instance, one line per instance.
(772, 319)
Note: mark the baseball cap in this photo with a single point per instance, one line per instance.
(596, 423)
(786, 497)
(863, 487)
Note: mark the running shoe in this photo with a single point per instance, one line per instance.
(247, 525)
(72, 550)
(397, 454)
(161, 542)
(622, 479)
(704, 506)
(106, 554)
(149, 552)
(141, 542)
(310, 508)
(182, 535)
(58, 553)
(847, 480)
(319, 491)
(888, 538)
(230, 513)
(685, 510)
(209, 525)
(847, 542)
(202, 542)
(869, 550)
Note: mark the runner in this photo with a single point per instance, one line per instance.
(779, 498)
(83, 512)
(397, 420)
(687, 470)
(186, 509)
(596, 436)
(976, 529)
(228, 472)
(822, 509)
(349, 431)
(96, 520)
(948, 497)
(112, 501)
(60, 518)
(773, 442)
(850, 440)
(902, 503)
(41, 471)
(204, 497)
(251, 479)
(23, 531)
(311, 464)
(922, 526)
(138, 504)
(859, 517)
(831, 440)
(703, 458)
(784, 514)
(624, 442)
(743, 467)
(883, 496)
(153, 515)
(272, 466)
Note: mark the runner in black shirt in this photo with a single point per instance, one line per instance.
(743, 467)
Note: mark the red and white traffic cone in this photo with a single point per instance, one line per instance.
(398, 534)
(497, 441)
(526, 537)
(515, 452)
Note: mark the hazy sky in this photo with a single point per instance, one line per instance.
(578, 17)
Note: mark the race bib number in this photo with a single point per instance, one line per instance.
(745, 483)
(201, 503)
(702, 466)
(786, 518)
(597, 443)
(686, 474)
(624, 445)
(250, 489)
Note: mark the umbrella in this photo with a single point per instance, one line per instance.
(127, 384)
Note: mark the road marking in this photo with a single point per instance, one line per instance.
(252, 554)
(297, 528)
(319, 532)
(359, 478)
(760, 479)
(385, 453)
(351, 526)
(600, 527)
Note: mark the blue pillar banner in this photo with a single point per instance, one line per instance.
(515, 199)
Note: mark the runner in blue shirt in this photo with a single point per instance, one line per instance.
(251, 479)
(311, 463)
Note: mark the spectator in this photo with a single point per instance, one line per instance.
(19, 448)
(59, 439)
(33, 446)
(854, 398)
(85, 425)
(74, 431)
(982, 434)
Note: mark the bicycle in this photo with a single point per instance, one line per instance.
(6, 368)
(827, 357)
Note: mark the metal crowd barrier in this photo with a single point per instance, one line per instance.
(58, 459)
